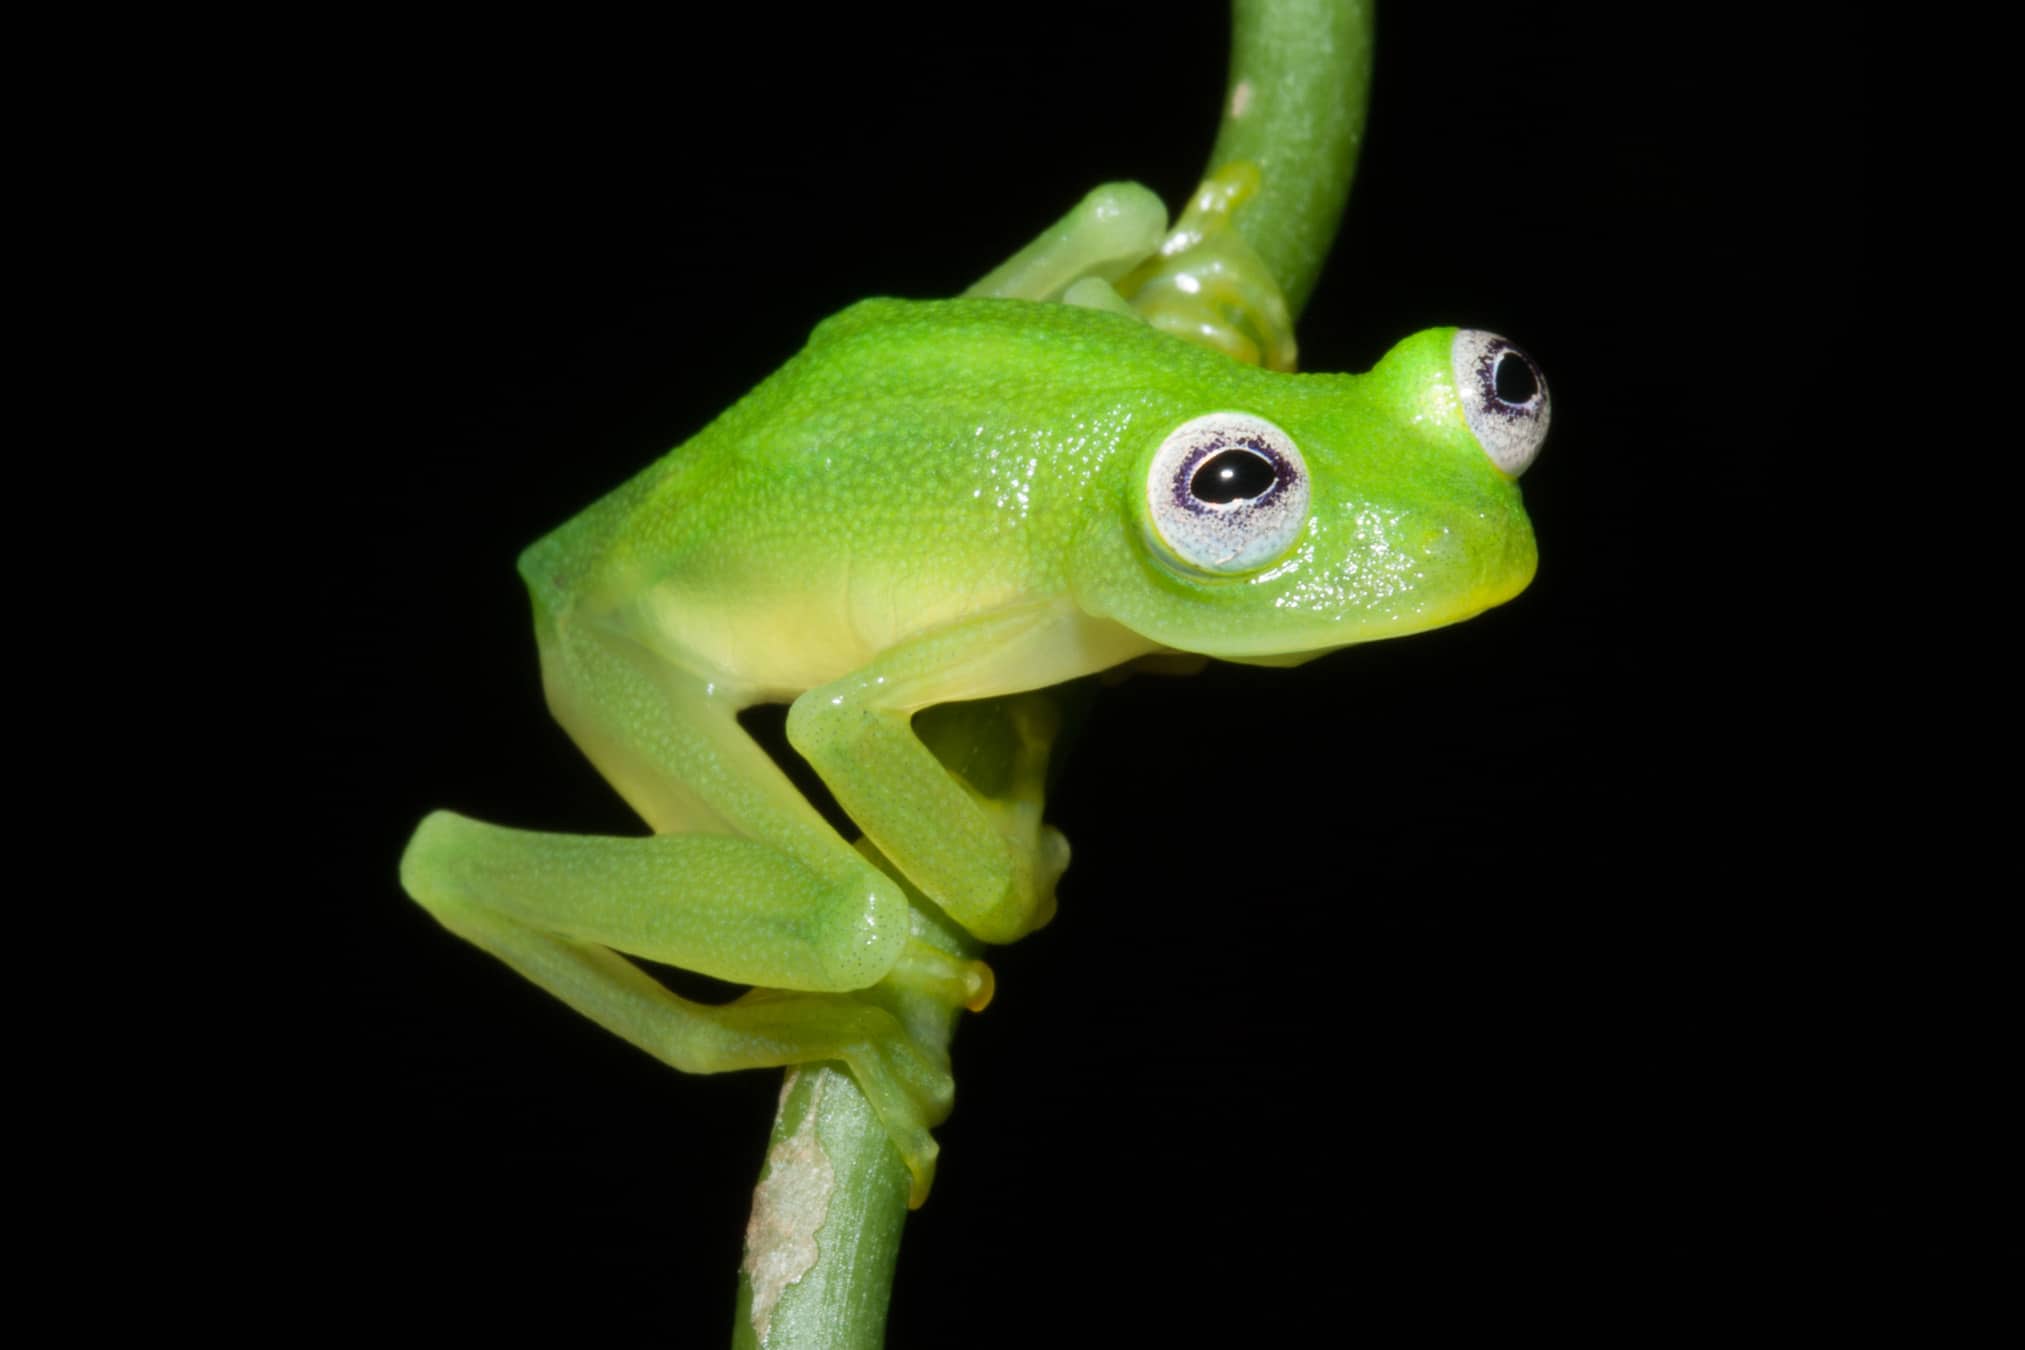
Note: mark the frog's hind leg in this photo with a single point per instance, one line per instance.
(743, 881)
(669, 740)
(555, 906)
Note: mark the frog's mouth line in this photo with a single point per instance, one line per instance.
(1270, 646)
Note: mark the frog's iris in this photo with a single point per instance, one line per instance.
(1228, 492)
(1504, 398)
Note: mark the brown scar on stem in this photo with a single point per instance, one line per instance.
(1240, 98)
(788, 1208)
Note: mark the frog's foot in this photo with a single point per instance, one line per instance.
(1039, 855)
(1206, 285)
(906, 1081)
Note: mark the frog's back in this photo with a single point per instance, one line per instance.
(917, 462)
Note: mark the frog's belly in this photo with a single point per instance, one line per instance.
(774, 643)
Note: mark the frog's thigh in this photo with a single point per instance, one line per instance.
(732, 908)
(856, 732)
(907, 1084)
(670, 742)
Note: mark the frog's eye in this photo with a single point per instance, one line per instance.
(1228, 492)
(1504, 396)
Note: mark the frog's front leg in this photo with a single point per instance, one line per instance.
(962, 846)
(999, 748)
(1110, 232)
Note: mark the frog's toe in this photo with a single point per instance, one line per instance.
(1051, 862)
(919, 1154)
(910, 1087)
(923, 1074)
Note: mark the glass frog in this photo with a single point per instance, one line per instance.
(940, 501)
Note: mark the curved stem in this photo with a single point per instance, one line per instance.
(824, 1236)
(831, 1203)
(825, 1229)
(1300, 77)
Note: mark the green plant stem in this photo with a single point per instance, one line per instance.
(824, 1236)
(1300, 78)
(832, 1198)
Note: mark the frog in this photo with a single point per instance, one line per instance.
(937, 502)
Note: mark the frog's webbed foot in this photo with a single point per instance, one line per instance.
(906, 1081)
(1199, 281)
(1207, 285)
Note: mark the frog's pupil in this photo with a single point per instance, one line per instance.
(1514, 379)
(1231, 474)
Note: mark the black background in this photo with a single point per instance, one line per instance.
(1477, 978)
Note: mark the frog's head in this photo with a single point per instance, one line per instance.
(1311, 512)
